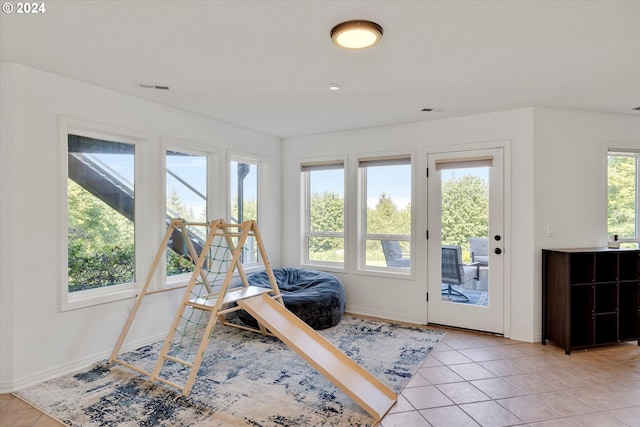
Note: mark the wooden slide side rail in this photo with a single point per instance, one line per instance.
(366, 390)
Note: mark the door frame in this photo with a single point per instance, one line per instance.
(505, 145)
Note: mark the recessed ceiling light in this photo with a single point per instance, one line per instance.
(356, 34)
(334, 87)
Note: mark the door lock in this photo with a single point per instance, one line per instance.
(498, 251)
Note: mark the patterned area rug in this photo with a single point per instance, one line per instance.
(246, 379)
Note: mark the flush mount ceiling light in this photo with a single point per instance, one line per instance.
(356, 34)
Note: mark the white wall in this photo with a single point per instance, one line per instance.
(402, 299)
(571, 179)
(557, 175)
(38, 341)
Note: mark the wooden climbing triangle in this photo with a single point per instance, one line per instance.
(209, 297)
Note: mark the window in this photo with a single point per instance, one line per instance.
(623, 198)
(186, 198)
(101, 206)
(324, 212)
(244, 200)
(385, 185)
(104, 197)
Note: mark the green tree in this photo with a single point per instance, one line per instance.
(177, 206)
(327, 214)
(387, 218)
(100, 242)
(249, 210)
(465, 209)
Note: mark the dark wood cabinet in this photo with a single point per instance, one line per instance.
(590, 297)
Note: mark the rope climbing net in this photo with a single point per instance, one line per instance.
(210, 295)
(193, 321)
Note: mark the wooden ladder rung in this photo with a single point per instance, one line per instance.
(182, 362)
(171, 383)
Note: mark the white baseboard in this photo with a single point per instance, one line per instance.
(382, 314)
(525, 337)
(70, 367)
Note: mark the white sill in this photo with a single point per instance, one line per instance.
(91, 297)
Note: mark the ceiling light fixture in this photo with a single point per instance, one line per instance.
(356, 34)
(334, 87)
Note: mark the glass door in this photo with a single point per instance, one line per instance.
(466, 241)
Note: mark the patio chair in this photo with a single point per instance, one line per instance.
(454, 272)
(393, 254)
(479, 250)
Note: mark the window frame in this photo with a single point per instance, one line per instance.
(633, 153)
(212, 203)
(262, 184)
(379, 159)
(305, 212)
(90, 297)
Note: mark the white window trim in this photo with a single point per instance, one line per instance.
(362, 236)
(305, 215)
(80, 299)
(213, 196)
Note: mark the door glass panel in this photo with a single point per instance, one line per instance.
(465, 229)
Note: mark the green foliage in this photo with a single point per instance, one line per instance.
(465, 209)
(180, 210)
(177, 264)
(622, 196)
(326, 249)
(465, 213)
(112, 265)
(249, 210)
(101, 242)
(386, 218)
(327, 214)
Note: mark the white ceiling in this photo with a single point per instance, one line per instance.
(267, 65)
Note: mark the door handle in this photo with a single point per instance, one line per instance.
(497, 251)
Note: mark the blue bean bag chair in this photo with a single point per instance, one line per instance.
(315, 297)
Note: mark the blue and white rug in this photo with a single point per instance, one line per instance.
(245, 379)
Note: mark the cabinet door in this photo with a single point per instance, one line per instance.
(629, 322)
(582, 316)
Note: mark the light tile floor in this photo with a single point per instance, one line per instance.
(474, 379)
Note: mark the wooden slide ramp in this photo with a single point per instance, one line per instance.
(359, 384)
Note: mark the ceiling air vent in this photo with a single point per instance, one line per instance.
(152, 86)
